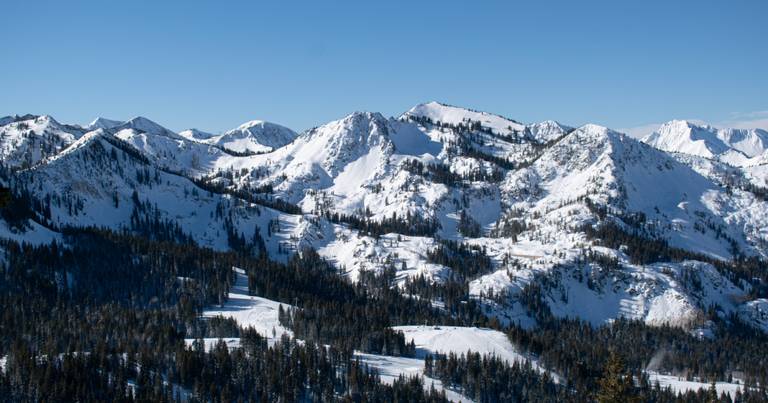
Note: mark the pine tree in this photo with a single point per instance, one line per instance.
(615, 385)
(712, 393)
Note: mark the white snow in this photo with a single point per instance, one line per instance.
(355, 253)
(250, 311)
(390, 368)
(35, 234)
(444, 339)
(196, 135)
(27, 140)
(756, 312)
(144, 125)
(454, 115)
(741, 147)
(254, 136)
(355, 165)
(210, 342)
(460, 340)
(103, 123)
(679, 384)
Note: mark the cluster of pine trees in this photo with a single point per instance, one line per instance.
(491, 379)
(409, 224)
(441, 173)
(466, 261)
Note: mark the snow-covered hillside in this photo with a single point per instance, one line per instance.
(370, 192)
(438, 112)
(251, 311)
(103, 123)
(103, 181)
(739, 147)
(27, 140)
(444, 340)
(255, 136)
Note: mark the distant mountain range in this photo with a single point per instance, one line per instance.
(655, 230)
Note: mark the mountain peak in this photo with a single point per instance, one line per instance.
(596, 130)
(142, 124)
(80, 143)
(355, 122)
(548, 130)
(16, 118)
(251, 123)
(682, 136)
(255, 136)
(195, 134)
(365, 115)
(103, 123)
(454, 115)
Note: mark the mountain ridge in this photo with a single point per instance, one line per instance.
(537, 192)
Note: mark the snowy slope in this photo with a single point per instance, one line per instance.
(143, 125)
(460, 340)
(103, 123)
(27, 140)
(740, 147)
(92, 183)
(624, 177)
(34, 234)
(756, 312)
(541, 132)
(167, 149)
(251, 311)
(176, 153)
(691, 210)
(391, 368)
(438, 112)
(355, 253)
(444, 340)
(196, 135)
(255, 136)
(337, 166)
(548, 131)
(674, 294)
(681, 385)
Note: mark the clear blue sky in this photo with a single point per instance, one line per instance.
(215, 64)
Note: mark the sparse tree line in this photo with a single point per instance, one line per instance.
(441, 173)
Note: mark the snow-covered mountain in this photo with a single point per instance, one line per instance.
(196, 135)
(27, 140)
(255, 136)
(593, 175)
(103, 123)
(547, 204)
(739, 147)
(143, 125)
(453, 115)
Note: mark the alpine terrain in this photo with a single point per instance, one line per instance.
(443, 254)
